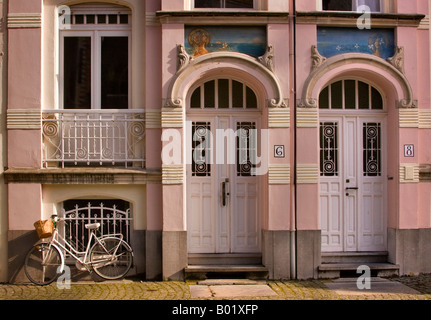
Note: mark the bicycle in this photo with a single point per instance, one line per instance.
(110, 256)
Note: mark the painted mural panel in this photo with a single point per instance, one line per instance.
(334, 41)
(202, 40)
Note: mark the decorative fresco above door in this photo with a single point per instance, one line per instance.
(334, 41)
(201, 40)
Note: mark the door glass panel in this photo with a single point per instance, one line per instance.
(251, 101)
(77, 73)
(372, 149)
(363, 95)
(324, 99)
(246, 148)
(337, 95)
(349, 94)
(201, 149)
(223, 93)
(329, 149)
(115, 73)
(195, 100)
(376, 100)
(209, 94)
(237, 94)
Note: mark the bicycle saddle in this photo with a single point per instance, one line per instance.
(92, 226)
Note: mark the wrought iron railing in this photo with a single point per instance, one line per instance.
(93, 137)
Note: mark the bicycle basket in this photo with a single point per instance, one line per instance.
(44, 228)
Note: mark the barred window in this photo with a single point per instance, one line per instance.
(114, 216)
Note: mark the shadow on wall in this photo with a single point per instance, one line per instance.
(19, 244)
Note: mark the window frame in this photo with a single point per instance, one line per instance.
(255, 7)
(357, 108)
(355, 7)
(95, 32)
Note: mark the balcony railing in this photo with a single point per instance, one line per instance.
(93, 138)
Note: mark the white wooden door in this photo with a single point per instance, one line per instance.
(222, 194)
(352, 183)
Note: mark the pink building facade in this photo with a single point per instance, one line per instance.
(274, 138)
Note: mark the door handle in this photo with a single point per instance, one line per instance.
(224, 192)
(352, 188)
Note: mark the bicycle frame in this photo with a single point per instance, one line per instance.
(57, 241)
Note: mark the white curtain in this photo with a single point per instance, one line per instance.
(374, 5)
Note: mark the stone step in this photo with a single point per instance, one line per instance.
(224, 259)
(221, 271)
(354, 257)
(337, 270)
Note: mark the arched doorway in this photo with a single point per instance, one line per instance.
(223, 202)
(352, 122)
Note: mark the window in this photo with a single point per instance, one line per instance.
(246, 4)
(95, 58)
(350, 95)
(351, 5)
(114, 216)
(223, 94)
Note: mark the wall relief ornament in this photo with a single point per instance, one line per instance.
(398, 59)
(316, 57)
(268, 58)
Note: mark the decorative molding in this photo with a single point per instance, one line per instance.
(424, 119)
(279, 174)
(190, 68)
(153, 118)
(307, 103)
(26, 119)
(172, 118)
(183, 57)
(151, 20)
(173, 174)
(398, 59)
(308, 99)
(24, 20)
(415, 118)
(409, 118)
(268, 58)
(279, 117)
(307, 117)
(425, 23)
(307, 173)
(316, 58)
(409, 173)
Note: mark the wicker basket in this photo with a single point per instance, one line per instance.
(44, 228)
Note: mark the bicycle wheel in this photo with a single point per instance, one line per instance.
(111, 259)
(41, 264)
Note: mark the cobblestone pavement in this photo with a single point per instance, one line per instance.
(135, 289)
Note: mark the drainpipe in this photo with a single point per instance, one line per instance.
(292, 49)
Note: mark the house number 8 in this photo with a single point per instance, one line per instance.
(409, 150)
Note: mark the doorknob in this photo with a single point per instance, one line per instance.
(224, 192)
(352, 188)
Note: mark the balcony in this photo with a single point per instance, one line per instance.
(95, 138)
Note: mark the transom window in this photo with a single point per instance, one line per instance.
(223, 94)
(246, 4)
(95, 58)
(351, 5)
(350, 95)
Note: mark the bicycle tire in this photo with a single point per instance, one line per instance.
(38, 273)
(117, 264)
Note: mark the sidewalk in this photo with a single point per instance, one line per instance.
(400, 288)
